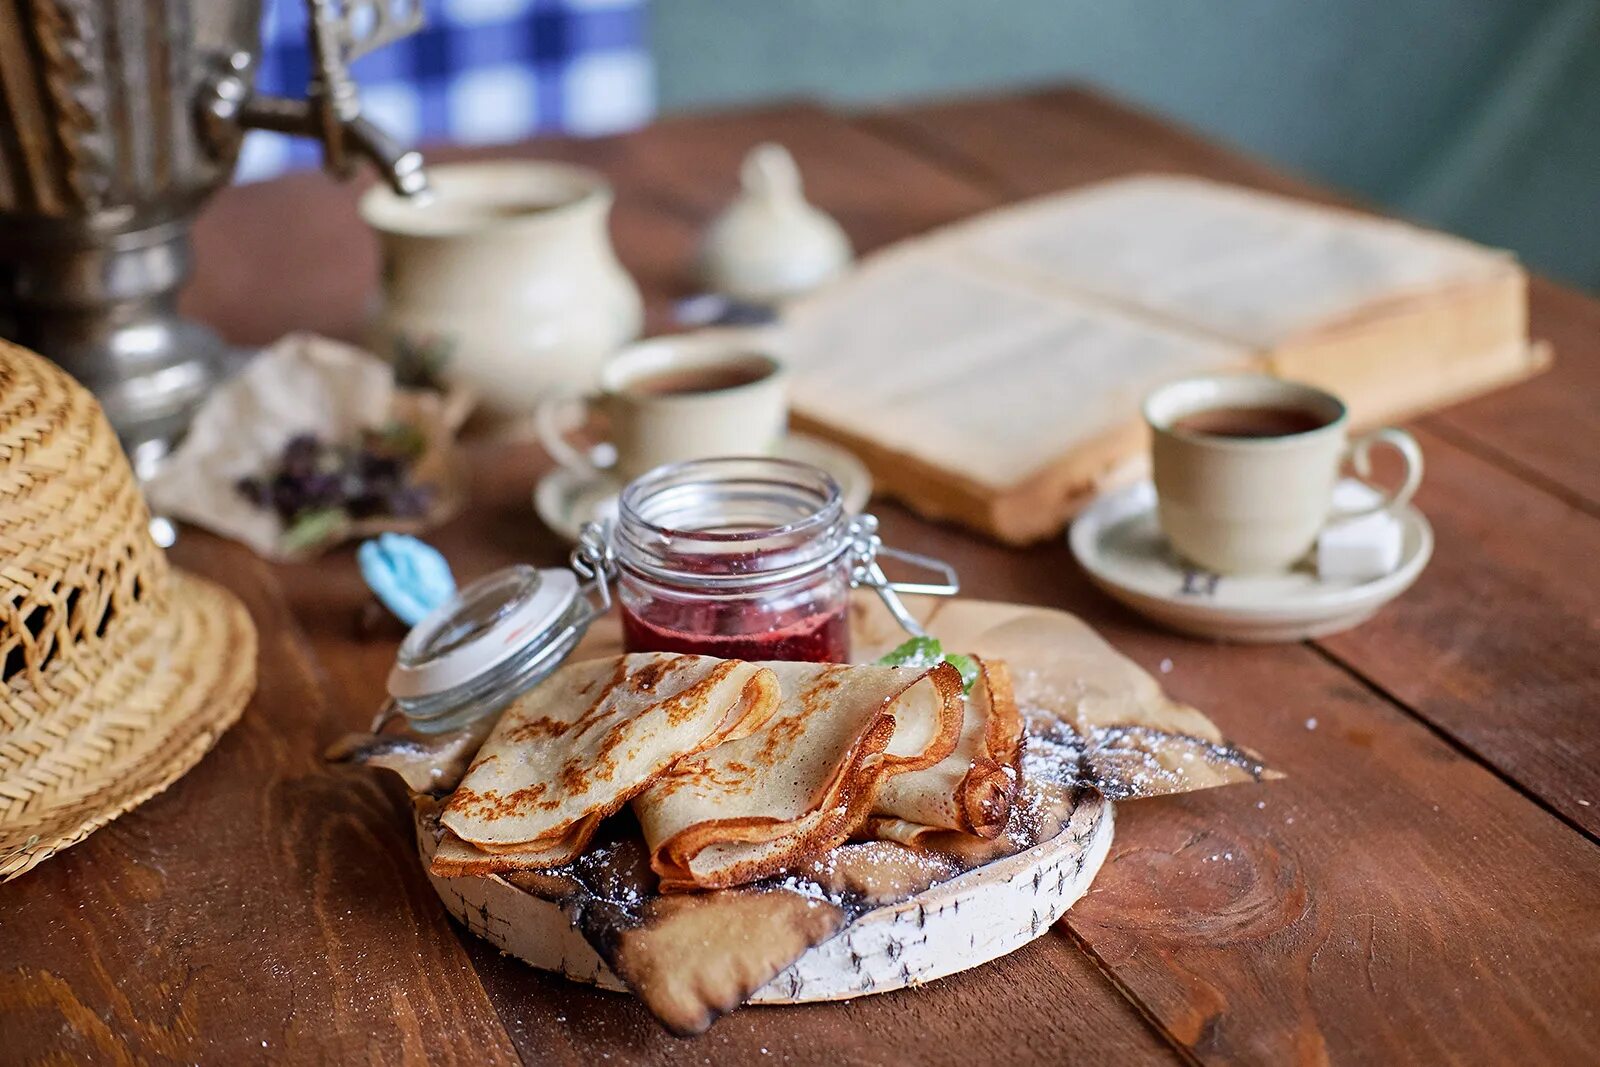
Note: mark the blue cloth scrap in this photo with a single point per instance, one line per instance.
(409, 576)
(478, 72)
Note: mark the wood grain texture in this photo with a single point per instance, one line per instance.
(1361, 914)
(1391, 901)
(1259, 994)
(264, 909)
(1044, 1004)
(1497, 642)
(1544, 430)
(1236, 916)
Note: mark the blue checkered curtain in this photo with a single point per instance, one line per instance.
(479, 72)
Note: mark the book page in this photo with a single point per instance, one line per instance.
(1242, 265)
(936, 357)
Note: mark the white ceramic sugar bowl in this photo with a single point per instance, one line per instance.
(504, 279)
(770, 244)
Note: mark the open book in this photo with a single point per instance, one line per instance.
(991, 372)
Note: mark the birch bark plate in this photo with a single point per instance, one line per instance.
(974, 917)
(957, 925)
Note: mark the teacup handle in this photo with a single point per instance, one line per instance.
(1359, 456)
(555, 418)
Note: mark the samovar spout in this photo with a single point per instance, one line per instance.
(400, 165)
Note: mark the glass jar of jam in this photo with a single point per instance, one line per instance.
(737, 558)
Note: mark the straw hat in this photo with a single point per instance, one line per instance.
(117, 672)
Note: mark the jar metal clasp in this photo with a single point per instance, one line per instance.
(865, 572)
(594, 561)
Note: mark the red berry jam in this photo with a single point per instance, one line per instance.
(820, 638)
(735, 558)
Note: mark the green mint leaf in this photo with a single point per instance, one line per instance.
(928, 652)
(917, 652)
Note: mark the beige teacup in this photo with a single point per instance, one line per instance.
(716, 393)
(1245, 466)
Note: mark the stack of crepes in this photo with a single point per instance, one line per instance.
(734, 770)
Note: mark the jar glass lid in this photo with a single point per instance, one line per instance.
(484, 624)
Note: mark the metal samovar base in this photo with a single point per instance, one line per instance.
(106, 311)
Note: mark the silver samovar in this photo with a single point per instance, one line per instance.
(117, 119)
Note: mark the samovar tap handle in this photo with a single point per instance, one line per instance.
(399, 165)
(331, 111)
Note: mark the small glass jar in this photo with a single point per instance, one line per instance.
(736, 558)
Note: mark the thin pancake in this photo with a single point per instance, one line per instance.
(972, 789)
(455, 858)
(804, 781)
(590, 737)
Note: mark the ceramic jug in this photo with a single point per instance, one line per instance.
(503, 282)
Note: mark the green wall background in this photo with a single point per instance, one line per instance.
(1478, 116)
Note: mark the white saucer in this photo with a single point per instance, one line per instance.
(1120, 544)
(566, 499)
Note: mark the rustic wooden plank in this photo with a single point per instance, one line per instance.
(1261, 957)
(672, 178)
(1496, 644)
(1397, 927)
(265, 908)
(1018, 147)
(1545, 430)
(1390, 901)
(1044, 1004)
(1520, 701)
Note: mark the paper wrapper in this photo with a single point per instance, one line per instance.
(1106, 724)
(1095, 721)
(302, 384)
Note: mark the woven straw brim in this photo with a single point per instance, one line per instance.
(145, 705)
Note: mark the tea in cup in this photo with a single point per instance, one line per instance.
(673, 399)
(1245, 465)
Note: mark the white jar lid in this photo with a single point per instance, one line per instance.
(494, 618)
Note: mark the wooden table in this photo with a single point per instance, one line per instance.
(1425, 885)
